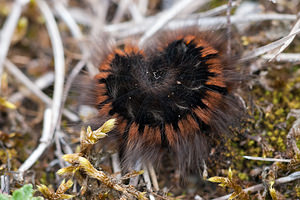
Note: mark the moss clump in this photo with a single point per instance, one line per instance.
(265, 133)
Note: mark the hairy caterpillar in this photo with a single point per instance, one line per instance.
(175, 94)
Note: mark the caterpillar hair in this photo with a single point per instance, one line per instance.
(174, 95)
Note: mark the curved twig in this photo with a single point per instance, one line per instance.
(59, 61)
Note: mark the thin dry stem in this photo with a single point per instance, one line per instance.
(153, 177)
(127, 29)
(135, 12)
(7, 31)
(42, 82)
(76, 33)
(4, 184)
(267, 159)
(121, 11)
(288, 42)
(166, 16)
(215, 11)
(289, 178)
(45, 141)
(75, 71)
(116, 165)
(284, 57)
(134, 181)
(229, 7)
(32, 87)
(148, 181)
(59, 61)
(269, 47)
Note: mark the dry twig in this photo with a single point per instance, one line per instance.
(148, 181)
(269, 47)
(45, 141)
(289, 178)
(288, 42)
(153, 177)
(77, 34)
(228, 11)
(167, 15)
(116, 165)
(59, 61)
(7, 31)
(42, 82)
(284, 57)
(267, 159)
(127, 29)
(20, 76)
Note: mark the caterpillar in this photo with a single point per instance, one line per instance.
(173, 95)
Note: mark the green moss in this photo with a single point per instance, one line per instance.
(216, 3)
(268, 121)
(298, 144)
(243, 176)
(297, 189)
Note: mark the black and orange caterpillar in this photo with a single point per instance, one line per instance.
(176, 94)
